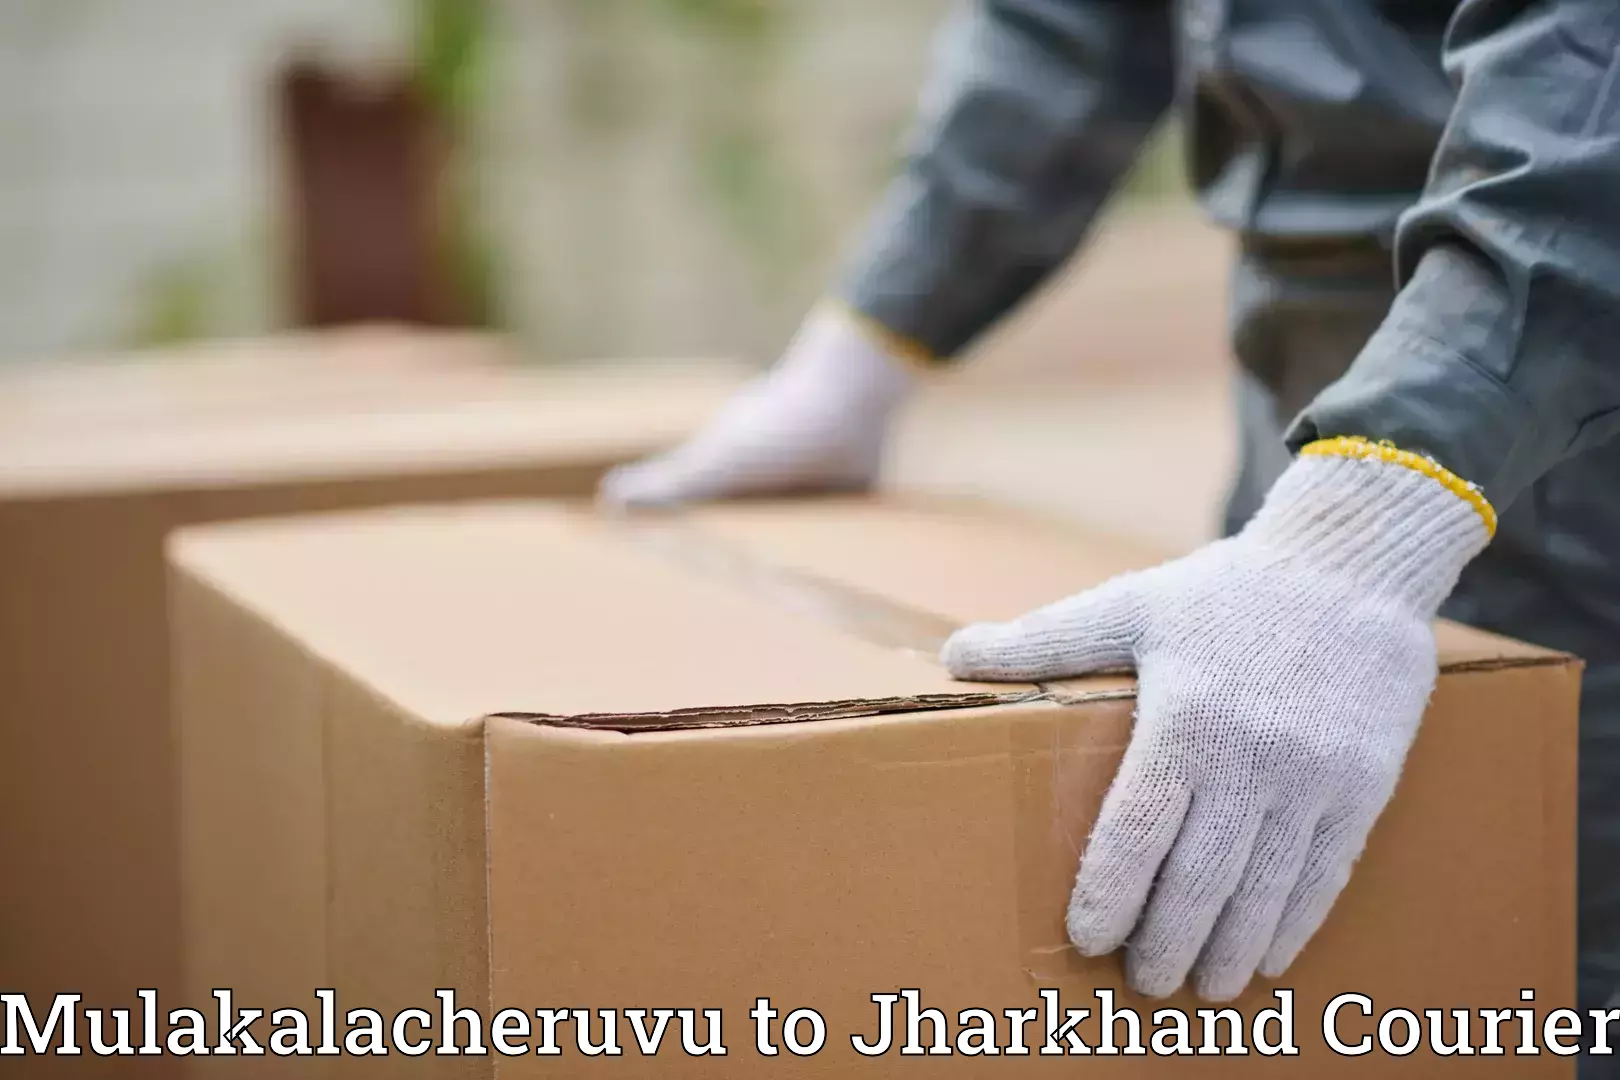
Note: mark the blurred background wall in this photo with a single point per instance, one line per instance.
(137, 163)
(621, 177)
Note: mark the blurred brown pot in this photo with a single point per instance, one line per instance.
(365, 163)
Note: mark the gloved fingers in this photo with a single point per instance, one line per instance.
(1200, 874)
(1093, 631)
(1248, 923)
(1334, 849)
(1140, 818)
(638, 485)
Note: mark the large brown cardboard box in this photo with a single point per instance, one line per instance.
(99, 460)
(550, 760)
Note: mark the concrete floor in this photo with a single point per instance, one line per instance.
(1145, 462)
(1105, 401)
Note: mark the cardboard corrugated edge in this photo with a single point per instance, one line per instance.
(876, 620)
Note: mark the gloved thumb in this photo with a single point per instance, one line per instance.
(637, 486)
(1093, 631)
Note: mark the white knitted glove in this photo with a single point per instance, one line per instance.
(814, 423)
(1282, 674)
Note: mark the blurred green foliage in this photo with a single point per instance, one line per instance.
(175, 302)
(452, 53)
(604, 93)
(451, 63)
(735, 148)
(760, 195)
(731, 144)
(739, 20)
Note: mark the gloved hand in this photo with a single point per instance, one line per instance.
(1282, 673)
(815, 423)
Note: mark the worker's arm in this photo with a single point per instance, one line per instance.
(1501, 355)
(1284, 671)
(1034, 111)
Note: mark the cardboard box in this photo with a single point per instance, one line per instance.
(556, 761)
(363, 366)
(99, 461)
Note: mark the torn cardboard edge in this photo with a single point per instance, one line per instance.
(874, 619)
(755, 715)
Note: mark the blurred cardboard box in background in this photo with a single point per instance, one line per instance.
(216, 381)
(552, 760)
(100, 460)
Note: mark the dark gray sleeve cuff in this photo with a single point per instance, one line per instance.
(1499, 356)
(1413, 391)
(1035, 111)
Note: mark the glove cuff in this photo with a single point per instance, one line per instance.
(1349, 446)
(833, 359)
(1395, 522)
(912, 353)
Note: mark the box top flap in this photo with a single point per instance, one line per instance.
(737, 615)
(332, 405)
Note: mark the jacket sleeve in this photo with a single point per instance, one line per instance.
(1501, 355)
(1033, 112)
